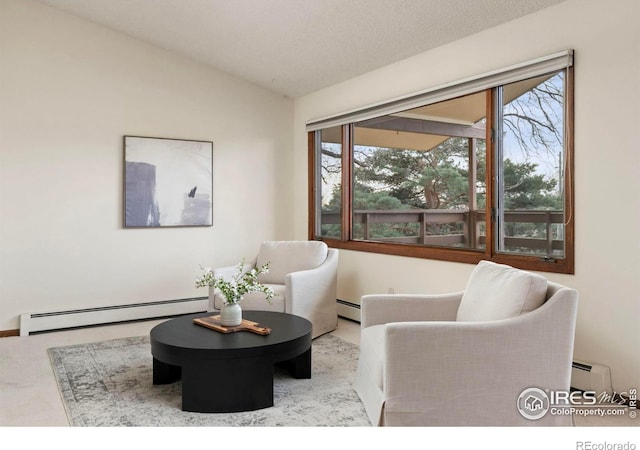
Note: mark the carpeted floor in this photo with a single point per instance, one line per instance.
(110, 384)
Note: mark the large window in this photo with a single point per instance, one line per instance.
(329, 143)
(484, 175)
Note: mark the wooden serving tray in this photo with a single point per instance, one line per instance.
(214, 323)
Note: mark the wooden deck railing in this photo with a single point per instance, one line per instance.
(471, 235)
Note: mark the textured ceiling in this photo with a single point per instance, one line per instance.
(295, 47)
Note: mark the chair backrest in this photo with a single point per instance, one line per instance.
(497, 291)
(289, 256)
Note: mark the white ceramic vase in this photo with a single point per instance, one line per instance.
(231, 315)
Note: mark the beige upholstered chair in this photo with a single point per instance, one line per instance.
(303, 275)
(464, 358)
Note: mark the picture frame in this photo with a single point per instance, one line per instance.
(167, 182)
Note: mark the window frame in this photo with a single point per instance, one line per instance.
(529, 262)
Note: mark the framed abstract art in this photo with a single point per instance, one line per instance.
(167, 182)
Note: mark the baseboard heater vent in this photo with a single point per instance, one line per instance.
(348, 310)
(586, 376)
(59, 320)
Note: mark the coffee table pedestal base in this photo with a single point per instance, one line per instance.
(231, 385)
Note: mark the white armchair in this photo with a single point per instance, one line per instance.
(303, 275)
(464, 358)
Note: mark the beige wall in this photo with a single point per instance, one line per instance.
(69, 91)
(607, 179)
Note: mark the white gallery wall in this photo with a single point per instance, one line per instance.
(607, 165)
(69, 91)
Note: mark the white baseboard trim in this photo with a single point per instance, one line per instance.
(348, 310)
(59, 320)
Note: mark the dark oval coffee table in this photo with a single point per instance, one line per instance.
(229, 372)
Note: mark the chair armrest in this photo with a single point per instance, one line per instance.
(457, 366)
(317, 285)
(379, 309)
(228, 272)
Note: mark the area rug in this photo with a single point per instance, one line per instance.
(110, 384)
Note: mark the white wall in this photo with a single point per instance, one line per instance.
(607, 177)
(69, 91)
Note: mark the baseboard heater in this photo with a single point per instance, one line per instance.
(59, 320)
(586, 376)
(348, 310)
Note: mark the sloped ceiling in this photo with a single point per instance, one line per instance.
(294, 47)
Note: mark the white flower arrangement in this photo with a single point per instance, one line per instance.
(241, 284)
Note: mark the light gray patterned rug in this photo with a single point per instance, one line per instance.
(110, 384)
